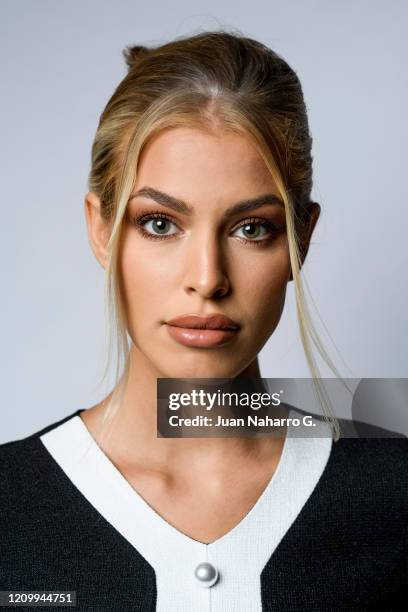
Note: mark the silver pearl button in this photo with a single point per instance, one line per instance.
(206, 574)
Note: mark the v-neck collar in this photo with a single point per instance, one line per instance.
(239, 555)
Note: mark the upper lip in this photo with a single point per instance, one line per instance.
(213, 321)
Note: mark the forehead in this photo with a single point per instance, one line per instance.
(199, 165)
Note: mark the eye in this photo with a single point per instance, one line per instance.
(159, 225)
(257, 230)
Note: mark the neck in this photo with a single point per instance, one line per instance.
(132, 436)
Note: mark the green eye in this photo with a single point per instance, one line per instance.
(160, 226)
(253, 230)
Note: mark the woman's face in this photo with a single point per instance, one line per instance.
(204, 260)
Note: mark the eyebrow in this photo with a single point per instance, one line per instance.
(184, 208)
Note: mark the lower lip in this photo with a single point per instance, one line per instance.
(201, 337)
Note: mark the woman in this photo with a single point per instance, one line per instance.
(199, 211)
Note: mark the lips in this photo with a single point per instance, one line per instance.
(202, 332)
(214, 321)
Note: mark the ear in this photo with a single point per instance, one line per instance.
(312, 215)
(98, 228)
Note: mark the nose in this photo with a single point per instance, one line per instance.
(205, 271)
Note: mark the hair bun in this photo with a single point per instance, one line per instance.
(133, 53)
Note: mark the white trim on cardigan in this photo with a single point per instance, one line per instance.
(239, 555)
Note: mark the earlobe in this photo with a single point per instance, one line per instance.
(98, 229)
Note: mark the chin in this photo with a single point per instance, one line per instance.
(210, 367)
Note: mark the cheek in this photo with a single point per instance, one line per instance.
(144, 280)
(265, 290)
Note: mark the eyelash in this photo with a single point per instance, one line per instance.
(139, 221)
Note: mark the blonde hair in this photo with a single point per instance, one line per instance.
(209, 80)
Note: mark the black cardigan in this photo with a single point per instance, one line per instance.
(347, 549)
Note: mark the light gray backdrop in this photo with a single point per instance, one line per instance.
(60, 63)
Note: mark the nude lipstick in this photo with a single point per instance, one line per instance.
(202, 331)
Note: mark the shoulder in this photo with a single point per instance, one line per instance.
(8, 448)
(366, 447)
(372, 458)
(367, 468)
(24, 462)
(369, 476)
